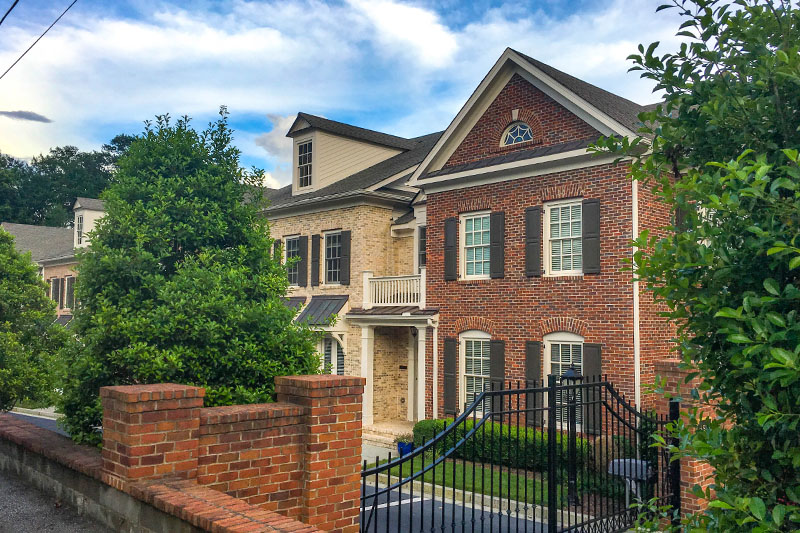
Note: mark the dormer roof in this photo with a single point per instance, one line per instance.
(306, 122)
(92, 204)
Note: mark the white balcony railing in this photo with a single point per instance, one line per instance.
(394, 290)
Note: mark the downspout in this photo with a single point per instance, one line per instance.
(637, 373)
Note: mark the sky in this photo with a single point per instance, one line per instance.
(401, 67)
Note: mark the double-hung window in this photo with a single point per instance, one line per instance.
(563, 350)
(421, 243)
(79, 228)
(332, 356)
(293, 250)
(475, 245)
(333, 257)
(564, 238)
(304, 164)
(476, 373)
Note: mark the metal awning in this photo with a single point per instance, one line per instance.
(321, 308)
(295, 302)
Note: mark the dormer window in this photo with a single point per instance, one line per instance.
(79, 228)
(516, 133)
(304, 164)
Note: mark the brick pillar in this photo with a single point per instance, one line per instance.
(332, 457)
(150, 431)
(693, 471)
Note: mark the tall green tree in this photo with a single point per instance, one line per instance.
(29, 338)
(179, 282)
(723, 152)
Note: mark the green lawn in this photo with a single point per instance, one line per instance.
(478, 479)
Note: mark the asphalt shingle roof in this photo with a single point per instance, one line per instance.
(360, 181)
(91, 203)
(354, 132)
(43, 242)
(620, 109)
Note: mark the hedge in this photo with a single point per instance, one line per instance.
(500, 444)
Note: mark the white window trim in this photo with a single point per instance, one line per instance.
(557, 338)
(79, 228)
(546, 251)
(298, 142)
(508, 128)
(338, 337)
(287, 238)
(324, 256)
(472, 335)
(462, 240)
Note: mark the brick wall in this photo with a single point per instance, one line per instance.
(299, 457)
(60, 271)
(390, 381)
(518, 308)
(551, 123)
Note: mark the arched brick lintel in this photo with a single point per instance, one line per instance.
(506, 119)
(475, 323)
(563, 323)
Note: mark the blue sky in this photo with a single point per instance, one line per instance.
(401, 67)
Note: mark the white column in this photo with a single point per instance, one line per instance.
(419, 367)
(422, 281)
(412, 376)
(367, 353)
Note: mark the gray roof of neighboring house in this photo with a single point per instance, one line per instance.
(620, 109)
(43, 242)
(354, 132)
(360, 181)
(406, 217)
(321, 308)
(531, 153)
(91, 203)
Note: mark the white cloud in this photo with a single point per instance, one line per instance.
(398, 63)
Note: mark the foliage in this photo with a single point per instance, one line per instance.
(29, 338)
(179, 283)
(44, 191)
(724, 157)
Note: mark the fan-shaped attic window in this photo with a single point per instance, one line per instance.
(516, 133)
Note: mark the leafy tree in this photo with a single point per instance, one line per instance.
(179, 283)
(29, 338)
(724, 155)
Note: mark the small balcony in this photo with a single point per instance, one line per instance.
(393, 291)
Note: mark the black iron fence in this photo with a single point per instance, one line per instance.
(570, 456)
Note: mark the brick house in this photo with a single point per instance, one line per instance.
(53, 250)
(527, 232)
(349, 226)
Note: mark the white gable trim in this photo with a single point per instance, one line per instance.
(496, 79)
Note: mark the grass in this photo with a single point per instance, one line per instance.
(479, 479)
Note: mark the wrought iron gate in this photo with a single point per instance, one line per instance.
(569, 456)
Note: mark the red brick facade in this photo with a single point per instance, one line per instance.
(550, 123)
(299, 457)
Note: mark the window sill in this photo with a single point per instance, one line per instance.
(563, 277)
(470, 279)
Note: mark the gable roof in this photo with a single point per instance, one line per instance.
(348, 130)
(620, 109)
(93, 204)
(43, 242)
(361, 182)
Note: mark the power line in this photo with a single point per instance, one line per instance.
(37, 40)
(9, 10)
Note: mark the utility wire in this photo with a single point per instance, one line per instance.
(37, 40)
(9, 10)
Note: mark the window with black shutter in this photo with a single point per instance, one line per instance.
(421, 243)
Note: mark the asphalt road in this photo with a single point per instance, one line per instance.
(46, 423)
(427, 514)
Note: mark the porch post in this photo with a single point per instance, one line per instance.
(419, 368)
(367, 354)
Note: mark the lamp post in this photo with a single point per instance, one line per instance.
(572, 378)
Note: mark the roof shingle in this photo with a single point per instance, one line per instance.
(43, 242)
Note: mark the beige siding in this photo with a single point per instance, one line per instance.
(338, 157)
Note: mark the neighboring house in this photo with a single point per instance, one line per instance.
(348, 219)
(527, 234)
(53, 250)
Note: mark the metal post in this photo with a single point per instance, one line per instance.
(572, 482)
(552, 484)
(675, 466)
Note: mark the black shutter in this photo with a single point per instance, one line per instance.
(497, 244)
(451, 249)
(344, 262)
(497, 371)
(276, 250)
(592, 368)
(60, 293)
(302, 264)
(533, 241)
(591, 236)
(70, 303)
(315, 241)
(450, 396)
(533, 379)
(339, 359)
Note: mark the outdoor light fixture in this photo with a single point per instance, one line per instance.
(572, 378)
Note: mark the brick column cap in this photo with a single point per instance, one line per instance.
(321, 381)
(152, 392)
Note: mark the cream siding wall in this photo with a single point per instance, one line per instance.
(339, 157)
(90, 218)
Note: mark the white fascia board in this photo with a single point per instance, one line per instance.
(571, 160)
(390, 320)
